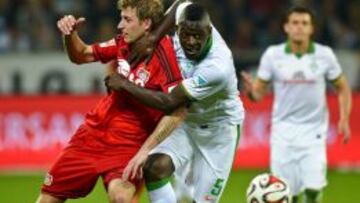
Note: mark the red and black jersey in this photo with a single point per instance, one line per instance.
(126, 120)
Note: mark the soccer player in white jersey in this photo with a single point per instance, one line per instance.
(298, 70)
(214, 113)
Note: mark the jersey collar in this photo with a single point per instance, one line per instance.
(206, 49)
(310, 50)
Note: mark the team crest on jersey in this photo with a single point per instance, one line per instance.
(313, 66)
(123, 67)
(143, 74)
(48, 179)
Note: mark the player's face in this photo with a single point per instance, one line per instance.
(130, 26)
(193, 38)
(299, 27)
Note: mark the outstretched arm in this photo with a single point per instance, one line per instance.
(77, 50)
(344, 96)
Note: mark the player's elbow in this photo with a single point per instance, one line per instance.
(77, 60)
(74, 59)
(168, 106)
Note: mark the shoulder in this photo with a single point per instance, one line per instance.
(164, 58)
(276, 49)
(323, 50)
(164, 51)
(166, 43)
(119, 40)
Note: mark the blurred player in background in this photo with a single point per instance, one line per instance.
(208, 137)
(298, 70)
(117, 127)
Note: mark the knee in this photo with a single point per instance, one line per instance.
(119, 198)
(120, 191)
(46, 198)
(158, 167)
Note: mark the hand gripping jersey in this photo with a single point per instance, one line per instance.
(129, 121)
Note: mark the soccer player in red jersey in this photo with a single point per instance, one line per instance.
(117, 127)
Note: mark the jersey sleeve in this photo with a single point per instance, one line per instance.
(179, 10)
(333, 69)
(265, 67)
(169, 74)
(206, 81)
(105, 51)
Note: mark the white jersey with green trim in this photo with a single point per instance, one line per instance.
(211, 83)
(300, 115)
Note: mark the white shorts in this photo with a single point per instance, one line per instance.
(302, 167)
(209, 150)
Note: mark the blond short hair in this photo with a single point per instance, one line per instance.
(146, 9)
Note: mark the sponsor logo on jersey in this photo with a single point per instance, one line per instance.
(48, 179)
(299, 75)
(299, 78)
(123, 67)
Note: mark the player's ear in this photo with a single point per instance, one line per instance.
(209, 30)
(312, 29)
(286, 28)
(147, 23)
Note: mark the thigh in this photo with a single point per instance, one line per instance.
(72, 176)
(213, 160)
(285, 165)
(313, 167)
(184, 182)
(178, 146)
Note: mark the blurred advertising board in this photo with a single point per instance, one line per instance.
(49, 73)
(34, 129)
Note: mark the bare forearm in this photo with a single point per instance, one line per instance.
(344, 96)
(164, 128)
(76, 48)
(168, 23)
(154, 99)
(345, 103)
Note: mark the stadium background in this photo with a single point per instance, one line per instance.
(43, 96)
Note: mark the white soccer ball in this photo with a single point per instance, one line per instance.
(267, 188)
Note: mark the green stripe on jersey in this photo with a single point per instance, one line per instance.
(158, 184)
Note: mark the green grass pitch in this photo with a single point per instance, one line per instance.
(21, 188)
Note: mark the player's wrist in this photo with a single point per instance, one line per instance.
(251, 96)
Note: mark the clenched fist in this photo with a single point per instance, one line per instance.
(69, 23)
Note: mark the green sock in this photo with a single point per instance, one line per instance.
(157, 184)
(313, 196)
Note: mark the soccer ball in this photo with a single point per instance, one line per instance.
(267, 188)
